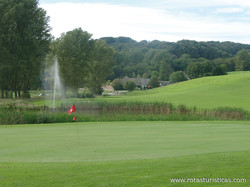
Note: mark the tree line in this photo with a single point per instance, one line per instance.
(196, 59)
(27, 48)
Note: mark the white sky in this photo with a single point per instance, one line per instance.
(165, 20)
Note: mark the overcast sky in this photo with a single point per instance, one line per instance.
(165, 20)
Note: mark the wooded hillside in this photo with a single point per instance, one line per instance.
(197, 59)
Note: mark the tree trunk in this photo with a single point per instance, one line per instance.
(19, 93)
(11, 94)
(2, 94)
(6, 94)
(15, 94)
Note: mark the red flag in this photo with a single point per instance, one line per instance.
(74, 119)
(72, 109)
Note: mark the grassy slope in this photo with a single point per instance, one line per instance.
(232, 90)
(123, 153)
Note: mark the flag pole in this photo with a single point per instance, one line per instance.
(71, 110)
(77, 134)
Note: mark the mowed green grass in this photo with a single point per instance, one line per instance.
(231, 90)
(124, 153)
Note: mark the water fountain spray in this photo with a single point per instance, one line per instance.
(57, 82)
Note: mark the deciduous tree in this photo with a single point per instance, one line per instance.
(74, 50)
(100, 67)
(242, 61)
(178, 76)
(24, 41)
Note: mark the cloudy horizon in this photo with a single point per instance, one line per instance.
(214, 20)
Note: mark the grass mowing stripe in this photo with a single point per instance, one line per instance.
(149, 172)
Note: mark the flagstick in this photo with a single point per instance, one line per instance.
(77, 127)
(72, 109)
(77, 133)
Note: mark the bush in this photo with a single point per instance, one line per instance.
(154, 82)
(219, 70)
(178, 76)
(43, 117)
(89, 95)
(81, 95)
(130, 85)
(85, 95)
(25, 95)
(98, 91)
(30, 117)
(11, 116)
(117, 84)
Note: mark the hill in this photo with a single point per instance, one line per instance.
(231, 90)
(135, 59)
(209, 50)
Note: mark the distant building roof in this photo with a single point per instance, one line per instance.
(108, 88)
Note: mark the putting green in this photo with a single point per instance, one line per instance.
(122, 153)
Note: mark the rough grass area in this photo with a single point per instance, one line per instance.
(122, 111)
(123, 153)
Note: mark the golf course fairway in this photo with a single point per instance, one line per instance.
(230, 90)
(125, 153)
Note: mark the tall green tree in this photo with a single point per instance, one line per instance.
(242, 60)
(74, 52)
(24, 41)
(219, 70)
(200, 69)
(165, 70)
(100, 67)
(154, 82)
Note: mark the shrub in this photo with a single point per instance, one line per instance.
(154, 82)
(98, 90)
(11, 116)
(130, 85)
(43, 117)
(25, 95)
(85, 95)
(178, 76)
(117, 84)
(30, 117)
(81, 95)
(90, 95)
(219, 70)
